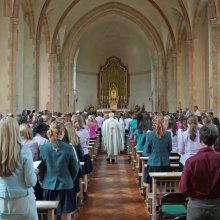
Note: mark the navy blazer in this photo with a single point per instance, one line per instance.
(159, 149)
(61, 166)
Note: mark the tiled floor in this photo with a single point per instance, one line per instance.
(113, 193)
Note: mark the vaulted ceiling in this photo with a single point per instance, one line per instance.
(126, 28)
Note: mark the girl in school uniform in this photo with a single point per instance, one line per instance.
(188, 141)
(60, 169)
(158, 146)
(74, 141)
(17, 176)
(83, 134)
(172, 128)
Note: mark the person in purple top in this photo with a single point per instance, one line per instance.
(83, 134)
(200, 179)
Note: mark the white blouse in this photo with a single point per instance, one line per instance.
(186, 146)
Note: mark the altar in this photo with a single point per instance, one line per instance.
(106, 111)
(113, 87)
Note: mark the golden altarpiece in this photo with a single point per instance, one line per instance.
(113, 81)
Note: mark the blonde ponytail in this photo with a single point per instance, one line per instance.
(56, 129)
(52, 136)
(158, 126)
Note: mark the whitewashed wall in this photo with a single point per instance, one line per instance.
(86, 86)
(140, 91)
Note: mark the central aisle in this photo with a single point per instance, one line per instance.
(113, 193)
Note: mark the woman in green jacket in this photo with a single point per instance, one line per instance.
(60, 168)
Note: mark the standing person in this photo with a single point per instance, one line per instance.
(40, 132)
(83, 134)
(127, 122)
(60, 170)
(158, 145)
(188, 141)
(100, 120)
(187, 112)
(172, 128)
(92, 125)
(138, 135)
(122, 127)
(112, 137)
(74, 141)
(196, 111)
(133, 125)
(27, 140)
(17, 177)
(200, 178)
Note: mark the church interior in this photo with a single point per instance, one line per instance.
(70, 56)
(52, 54)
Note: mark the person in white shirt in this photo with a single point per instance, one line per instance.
(127, 121)
(196, 111)
(100, 121)
(122, 127)
(188, 141)
(172, 128)
(40, 134)
(112, 138)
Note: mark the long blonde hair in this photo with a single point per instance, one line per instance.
(26, 132)
(158, 126)
(78, 121)
(10, 145)
(74, 140)
(56, 129)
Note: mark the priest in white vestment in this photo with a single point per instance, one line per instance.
(111, 134)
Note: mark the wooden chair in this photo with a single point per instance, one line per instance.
(172, 205)
(162, 183)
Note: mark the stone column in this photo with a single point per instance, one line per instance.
(52, 58)
(191, 101)
(38, 42)
(174, 73)
(214, 85)
(13, 54)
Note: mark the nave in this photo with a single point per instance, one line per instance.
(113, 193)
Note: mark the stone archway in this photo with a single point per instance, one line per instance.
(132, 15)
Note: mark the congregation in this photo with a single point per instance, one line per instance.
(61, 141)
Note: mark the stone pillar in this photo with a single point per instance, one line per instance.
(52, 80)
(214, 85)
(191, 85)
(12, 72)
(38, 42)
(174, 73)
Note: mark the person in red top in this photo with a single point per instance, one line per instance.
(200, 179)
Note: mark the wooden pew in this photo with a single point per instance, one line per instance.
(49, 207)
(138, 166)
(81, 183)
(98, 142)
(168, 178)
(94, 151)
(174, 162)
(129, 148)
